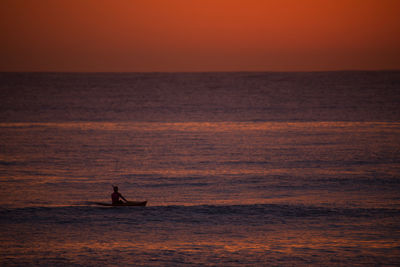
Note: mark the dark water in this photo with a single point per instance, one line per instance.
(249, 169)
(216, 97)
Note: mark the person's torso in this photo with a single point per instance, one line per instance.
(115, 197)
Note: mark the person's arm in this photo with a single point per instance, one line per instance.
(123, 198)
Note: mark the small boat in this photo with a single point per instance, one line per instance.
(125, 204)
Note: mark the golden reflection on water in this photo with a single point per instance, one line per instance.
(286, 241)
(218, 153)
(212, 126)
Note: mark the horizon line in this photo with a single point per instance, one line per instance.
(205, 71)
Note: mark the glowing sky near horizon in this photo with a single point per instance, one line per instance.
(199, 35)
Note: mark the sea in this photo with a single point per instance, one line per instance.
(238, 168)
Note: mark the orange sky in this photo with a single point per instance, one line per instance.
(199, 35)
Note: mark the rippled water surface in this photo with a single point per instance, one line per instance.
(247, 169)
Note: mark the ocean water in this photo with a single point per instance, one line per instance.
(239, 169)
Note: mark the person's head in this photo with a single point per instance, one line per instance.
(115, 188)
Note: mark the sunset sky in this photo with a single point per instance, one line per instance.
(199, 35)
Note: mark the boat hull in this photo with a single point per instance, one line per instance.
(125, 204)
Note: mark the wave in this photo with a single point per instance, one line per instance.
(11, 163)
(255, 213)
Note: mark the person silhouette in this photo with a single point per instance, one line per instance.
(116, 195)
